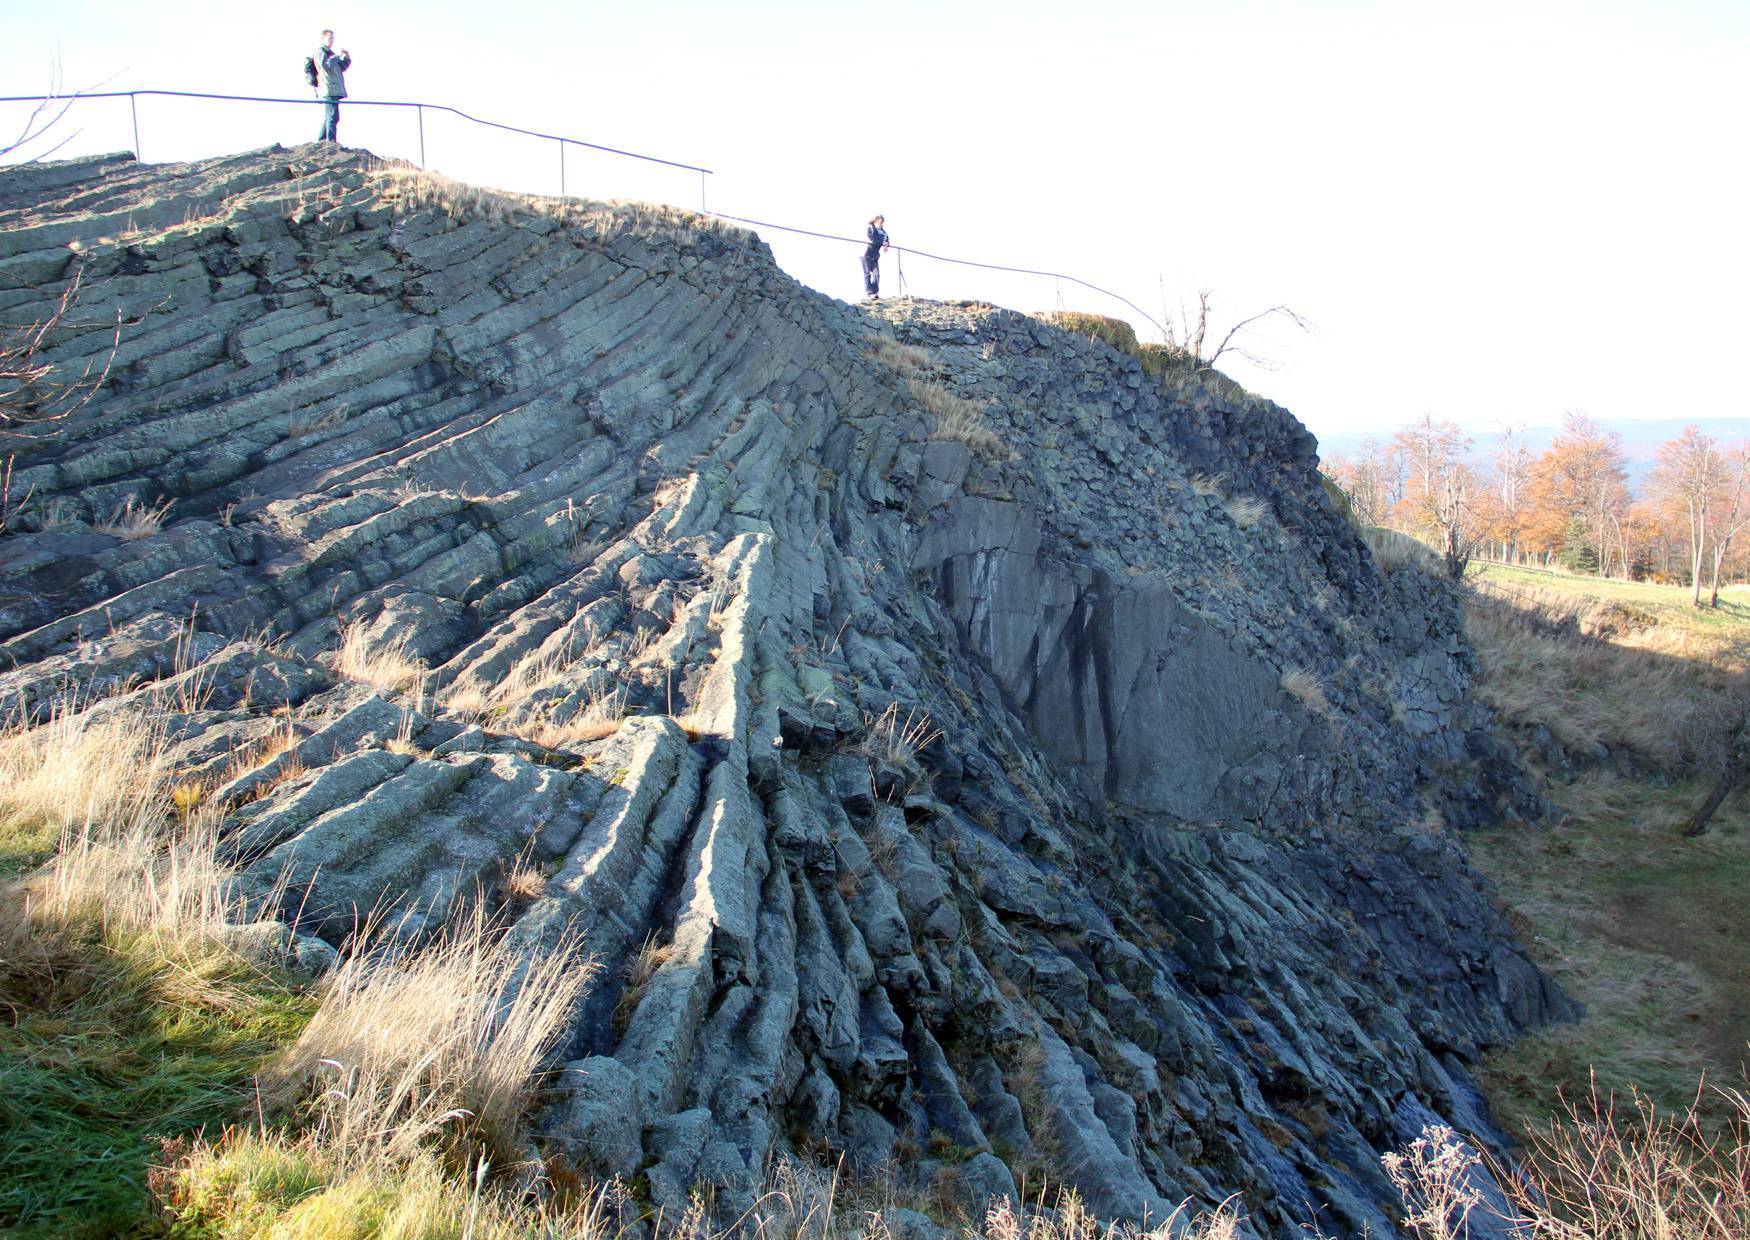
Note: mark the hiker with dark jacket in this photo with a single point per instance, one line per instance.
(872, 256)
(331, 67)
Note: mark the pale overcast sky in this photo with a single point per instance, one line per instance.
(1494, 211)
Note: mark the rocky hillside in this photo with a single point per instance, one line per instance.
(957, 746)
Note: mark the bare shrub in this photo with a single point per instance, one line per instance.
(1436, 1177)
(1188, 334)
(1595, 1172)
(35, 394)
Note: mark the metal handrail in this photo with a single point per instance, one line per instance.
(356, 103)
(563, 141)
(959, 262)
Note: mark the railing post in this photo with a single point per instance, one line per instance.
(420, 108)
(561, 167)
(134, 109)
(703, 210)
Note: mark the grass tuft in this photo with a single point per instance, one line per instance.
(1245, 510)
(904, 360)
(960, 419)
(1393, 550)
(133, 519)
(1305, 687)
(439, 1045)
(383, 665)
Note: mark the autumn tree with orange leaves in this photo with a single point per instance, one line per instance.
(1579, 495)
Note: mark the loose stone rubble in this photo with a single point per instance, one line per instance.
(1059, 793)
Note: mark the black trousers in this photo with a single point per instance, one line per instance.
(872, 272)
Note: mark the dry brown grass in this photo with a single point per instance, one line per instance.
(1595, 678)
(513, 704)
(266, 1186)
(402, 741)
(441, 1044)
(384, 665)
(904, 360)
(1305, 687)
(309, 423)
(488, 702)
(1115, 332)
(1394, 550)
(133, 850)
(160, 877)
(960, 419)
(1245, 510)
(133, 519)
(1637, 922)
(646, 962)
(78, 769)
(523, 882)
(600, 717)
(895, 739)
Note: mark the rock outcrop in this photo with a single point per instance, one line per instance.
(957, 746)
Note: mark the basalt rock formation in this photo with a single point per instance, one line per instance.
(957, 746)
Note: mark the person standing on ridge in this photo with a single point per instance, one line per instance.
(872, 256)
(331, 67)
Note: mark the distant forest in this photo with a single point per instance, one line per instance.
(1579, 497)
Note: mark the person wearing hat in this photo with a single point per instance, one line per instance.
(872, 256)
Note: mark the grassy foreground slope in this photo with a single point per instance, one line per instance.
(1625, 695)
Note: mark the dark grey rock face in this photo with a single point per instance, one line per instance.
(1075, 798)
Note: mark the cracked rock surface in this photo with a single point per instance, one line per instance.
(1071, 797)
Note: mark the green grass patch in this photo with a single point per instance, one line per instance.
(1115, 332)
(26, 841)
(106, 1048)
(1157, 359)
(1645, 928)
(1661, 604)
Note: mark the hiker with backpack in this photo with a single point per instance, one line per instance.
(872, 256)
(330, 67)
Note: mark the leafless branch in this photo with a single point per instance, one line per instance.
(33, 396)
(1187, 333)
(1227, 341)
(48, 114)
